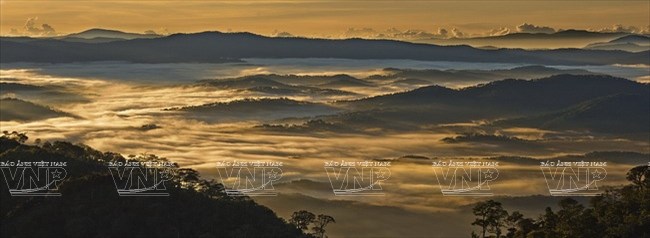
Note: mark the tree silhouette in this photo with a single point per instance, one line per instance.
(522, 226)
(301, 219)
(570, 218)
(497, 221)
(320, 224)
(14, 135)
(620, 212)
(548, 223)
(490, 217)
(626, 211)
(639, 176)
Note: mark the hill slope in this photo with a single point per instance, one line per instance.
(550, 93)
(510, 98)
(621, 113)
(12, 109)
(254, 109)
(90, 207)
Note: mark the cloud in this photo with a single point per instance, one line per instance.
(530, 28)
(499, 32)
(625, 29)
(361, 33)
(277, 33)
(394, 33)
(457, 33)
(443, 32)
(119, 107)
(414, 34)
(32, 29)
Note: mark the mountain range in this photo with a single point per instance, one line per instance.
(560, 39)
(217, 47)
(631, 43)
(254, 109)
(627, 113)
(284, 85)
(467, 77)
(596, 103)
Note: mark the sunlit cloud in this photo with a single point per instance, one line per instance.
(32, 28)
(530, 28)
(626, 29)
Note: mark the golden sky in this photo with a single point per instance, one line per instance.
(319, 18)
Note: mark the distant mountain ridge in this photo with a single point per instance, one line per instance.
(631, 43)
(105, 33)
(453, 77)
(227, 47)
(561, 39)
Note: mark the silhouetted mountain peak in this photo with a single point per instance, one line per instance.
(101, 31)
(434, 89)
(106, 33)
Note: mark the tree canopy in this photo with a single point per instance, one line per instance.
(619, 212)
(90, 206)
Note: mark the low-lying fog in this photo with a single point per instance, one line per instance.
(115, 105)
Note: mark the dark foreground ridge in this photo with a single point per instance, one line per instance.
(90, 206)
